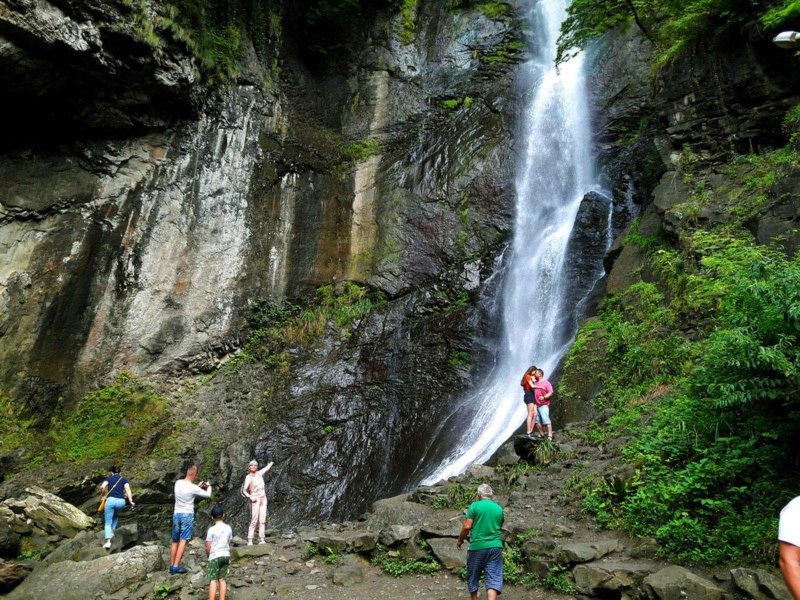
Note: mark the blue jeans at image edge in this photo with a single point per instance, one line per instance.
(490, 560)
(182, 526)
(111, 514)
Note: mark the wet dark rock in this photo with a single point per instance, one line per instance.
(730, 98)
(9, 539)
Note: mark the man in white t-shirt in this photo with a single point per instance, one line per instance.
(218, 550)
(183, 516)
(789, 546)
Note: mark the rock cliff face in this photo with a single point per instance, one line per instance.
(142, 213)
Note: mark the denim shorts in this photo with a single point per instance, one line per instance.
(182, 526)
(543, 415)
(489, 560)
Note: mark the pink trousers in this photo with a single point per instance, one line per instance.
(258, 514)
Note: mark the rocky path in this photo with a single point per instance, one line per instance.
(551, 545)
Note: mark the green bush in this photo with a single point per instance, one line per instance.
(398, 565)
(704, 368)
(674, 28)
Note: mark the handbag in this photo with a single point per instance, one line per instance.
(102, 506)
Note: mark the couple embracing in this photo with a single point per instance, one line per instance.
(538, 392)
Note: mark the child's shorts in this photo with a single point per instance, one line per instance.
(218, 568)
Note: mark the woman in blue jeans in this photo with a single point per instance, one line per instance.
(117, 488)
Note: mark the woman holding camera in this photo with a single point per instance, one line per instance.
(115, 488)
(254, 490)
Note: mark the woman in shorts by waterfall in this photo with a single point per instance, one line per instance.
(253, 490)
(529, 397)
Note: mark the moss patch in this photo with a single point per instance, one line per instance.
(110, 422)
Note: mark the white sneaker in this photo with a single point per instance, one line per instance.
(107, 545)
(249, 542)
(262, 542)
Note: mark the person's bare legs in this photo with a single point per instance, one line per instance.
(491, 594)
(173, 550)
(531, 416)
(212, 590)
(223, 589)
(473, 596)
(549, 431)
(178, 554)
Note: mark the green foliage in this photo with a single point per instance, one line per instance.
(333, 558)
(557, 579)
(509, 51)
(456, 103)
(162, 590)
(398, 565)
(545, 452)
(673, 27)
(408, 17)
(356, 151)
(513, 564)
(311, 551)
(715, 415)
(277, 325)
(458, 496)
(460, 358)
(494, 10)
(110, 422)
(780, 13)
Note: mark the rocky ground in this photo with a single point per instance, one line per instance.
(553, 544)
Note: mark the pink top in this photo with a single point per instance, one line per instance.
(542, 388)
(254, 483)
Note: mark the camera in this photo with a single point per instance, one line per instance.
(203, 485)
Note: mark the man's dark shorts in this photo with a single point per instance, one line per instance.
(489, 560)
(530, 397)
(218, 568)
(182, 526)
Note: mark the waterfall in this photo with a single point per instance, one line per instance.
(554, 173)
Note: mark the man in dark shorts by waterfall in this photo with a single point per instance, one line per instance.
(484, 526)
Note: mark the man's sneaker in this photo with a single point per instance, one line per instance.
(107, 545)
(180, 570)
(262, 542)
(249, 542)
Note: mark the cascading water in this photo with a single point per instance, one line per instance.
(554, 174)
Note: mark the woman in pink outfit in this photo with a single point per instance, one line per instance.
(253, 490)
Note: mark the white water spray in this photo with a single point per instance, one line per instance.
(554, 174)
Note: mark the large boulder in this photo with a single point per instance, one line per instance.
(394, 511)
(608, 578)
(444, 549)
(677, 583)
(78, 581)
(582, 552)
(50, 513)
(760, 585)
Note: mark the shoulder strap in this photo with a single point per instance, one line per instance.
(119, 478)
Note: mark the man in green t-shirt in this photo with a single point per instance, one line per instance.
(484, 526)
